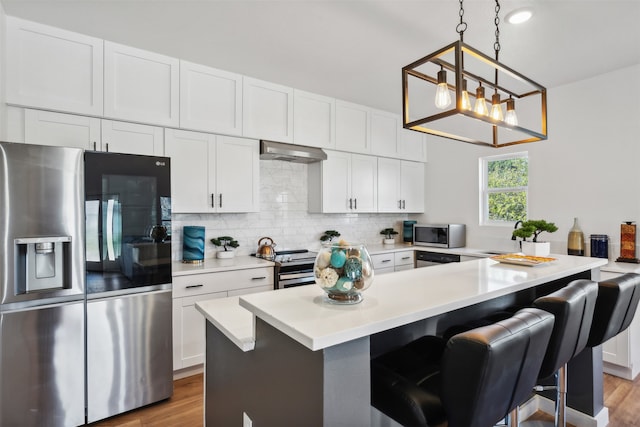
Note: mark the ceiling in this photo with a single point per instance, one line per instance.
(354, 49)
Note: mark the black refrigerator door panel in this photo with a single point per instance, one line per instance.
(129, 353)
(42, 366)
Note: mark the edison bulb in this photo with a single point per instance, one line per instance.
(496, 108)
(481, 103)
(443, 97)
(511, 118)
(466, 102)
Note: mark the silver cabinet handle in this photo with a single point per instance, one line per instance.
(403, 204)
(106, 147)
(406, 257)
(94, 146)
(355, 203)
(220, 204)
(194, 286)
(350, 203)
(259, 278)
(213, 200)
(399, 204)
(386, 260)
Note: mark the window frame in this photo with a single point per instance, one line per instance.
(484, 191)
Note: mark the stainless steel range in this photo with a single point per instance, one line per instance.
(294, 268)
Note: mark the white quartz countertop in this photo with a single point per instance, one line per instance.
(214, 265)
(394, 299)
(233, 321)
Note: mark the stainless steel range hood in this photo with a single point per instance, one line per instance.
(271, 150)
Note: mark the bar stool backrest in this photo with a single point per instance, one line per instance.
(573, 308)
(615, 307)
(490, 370)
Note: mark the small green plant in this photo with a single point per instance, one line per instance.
(329, 235)
(534, 228)
(226, 242)
(388, 233)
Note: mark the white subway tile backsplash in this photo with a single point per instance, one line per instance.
(283, 216)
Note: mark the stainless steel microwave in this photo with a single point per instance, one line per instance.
(440, 235)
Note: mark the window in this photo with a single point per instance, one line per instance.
(504, 184)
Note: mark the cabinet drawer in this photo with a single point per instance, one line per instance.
(382, 261)
(196, 284)
(404, 258)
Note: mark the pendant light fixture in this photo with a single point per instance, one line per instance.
(450, 117)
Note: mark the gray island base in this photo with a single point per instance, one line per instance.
(287, 358)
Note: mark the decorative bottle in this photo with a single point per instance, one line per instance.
(575, 242)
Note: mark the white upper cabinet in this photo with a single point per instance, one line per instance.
(132, 138)
(344, 182)
(140, 86)
(400, 186)
(89, 133)
(314, 120)
(64, 130)
(267, 110)
(212, 173)
(412, 145)
(210, 99)
(385, 128)
(52, 68)
(352, 127)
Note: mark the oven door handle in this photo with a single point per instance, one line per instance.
(289, 276)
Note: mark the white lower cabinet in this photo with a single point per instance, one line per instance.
(389, 262)
(343, 183)
(189, 324)
(621, 353)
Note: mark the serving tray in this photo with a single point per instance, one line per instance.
(520, 259)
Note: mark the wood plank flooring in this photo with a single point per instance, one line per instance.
(184, 408)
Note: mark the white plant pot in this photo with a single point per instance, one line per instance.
(225, 254)
(389, 241)
(536, 248)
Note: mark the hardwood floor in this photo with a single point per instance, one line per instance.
(184, 408)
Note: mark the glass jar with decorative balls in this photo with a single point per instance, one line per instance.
(343, 271)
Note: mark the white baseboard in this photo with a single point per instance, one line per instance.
(187, 372)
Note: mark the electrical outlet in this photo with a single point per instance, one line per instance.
(246, 421)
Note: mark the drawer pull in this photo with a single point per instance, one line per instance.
(406, 257)
(259, 278)
(386, 260)
(194, 286)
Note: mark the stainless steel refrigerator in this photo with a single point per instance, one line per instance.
(42, 286)
(85, 284)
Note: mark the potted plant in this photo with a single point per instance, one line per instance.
(533, 228)
(388, 234)
(328, 236)
(226, 242)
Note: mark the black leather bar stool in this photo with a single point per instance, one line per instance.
(573, 309)
(616, 305)
(473, 380)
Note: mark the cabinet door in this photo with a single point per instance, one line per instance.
(336, 182)
(412, 145)
(131, 138)
(140, 86)
(384, 133)
(412, 186)
(237, 174)
(53, 69)
(192, 182)
(267, 110)
(65, 130)
(364, 183)
(210, 99)
(352, 127)
(189, 330)
(389, 199)
(314, 120)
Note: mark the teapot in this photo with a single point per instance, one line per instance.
(266, 250)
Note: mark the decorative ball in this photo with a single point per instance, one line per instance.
(338, 258)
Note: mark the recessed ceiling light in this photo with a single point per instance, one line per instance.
(519, 16)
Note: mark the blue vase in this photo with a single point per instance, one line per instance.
(193, 244)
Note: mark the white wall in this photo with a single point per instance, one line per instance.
(3, 116)
(283, 216)
(588, 168)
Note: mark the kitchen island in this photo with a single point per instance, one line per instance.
(290, 358)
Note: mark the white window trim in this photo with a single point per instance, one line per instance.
(484, 191)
